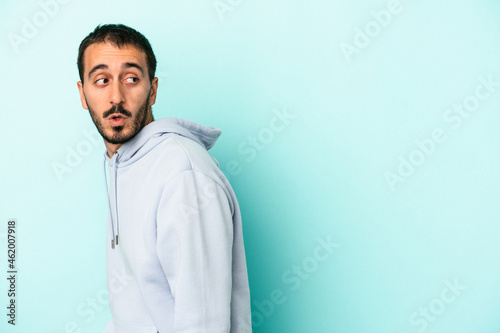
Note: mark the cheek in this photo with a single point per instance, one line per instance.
(94, 99)
(139, 100)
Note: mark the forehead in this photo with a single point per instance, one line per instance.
(112, 56)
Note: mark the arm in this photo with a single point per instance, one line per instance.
(194, 246)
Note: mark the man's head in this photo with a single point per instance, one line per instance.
(117, 83)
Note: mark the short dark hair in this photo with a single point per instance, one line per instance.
(118, 35)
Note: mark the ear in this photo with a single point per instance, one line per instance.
(82, 96)
(154, 89)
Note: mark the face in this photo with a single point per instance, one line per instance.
(117, 92)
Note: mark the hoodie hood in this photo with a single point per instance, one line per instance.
(152, 134)
(147, 139)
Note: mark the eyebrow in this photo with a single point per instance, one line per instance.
(124, 66)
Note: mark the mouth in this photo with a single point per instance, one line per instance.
(116, 119)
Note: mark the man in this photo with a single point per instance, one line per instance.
(174, 223)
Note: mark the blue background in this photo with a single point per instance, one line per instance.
(375, 156)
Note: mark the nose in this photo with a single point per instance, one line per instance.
(117, 96)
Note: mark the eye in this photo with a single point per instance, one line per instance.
(132, 79)
(101, 81)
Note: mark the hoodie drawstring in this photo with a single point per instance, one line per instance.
(116, 197)
(114, 236)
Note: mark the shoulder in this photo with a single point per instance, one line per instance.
(188, 161)
(181, 153)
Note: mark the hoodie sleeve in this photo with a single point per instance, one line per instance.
(194, 246)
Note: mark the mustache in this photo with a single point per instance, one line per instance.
(117, 109)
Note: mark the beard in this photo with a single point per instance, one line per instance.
(121, 134)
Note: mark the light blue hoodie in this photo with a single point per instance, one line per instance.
(175, 255)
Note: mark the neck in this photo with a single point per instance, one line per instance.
(111, 148)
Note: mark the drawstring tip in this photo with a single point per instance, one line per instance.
(116, 239)
(112, 243)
